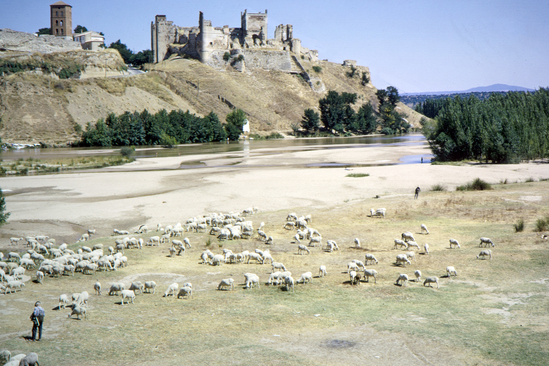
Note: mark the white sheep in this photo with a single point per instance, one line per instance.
(97, 288)
(78, 311)
(430, 281)
(251, 279)
(290, 225)
(407, 236)
(451, 270)
(226, 282)
(39, 276)
(127, 294)
(426, 248)
(14, 285)
(411, 255)
(29, 360)
(402, 279)
(357, 243)
(15, 241)
(402, 259)
(417, 273)
(217, 260)
(277, 265)
(290, 283)
(137, 286)
(424, 228)
(370, 273)
(255, 256)
(413, 244)
(331, 245)
(352, 266)
(185, 291)
(306, 277)
(379, 212)
(291, 216)
(359, 263)
(485, 253)
(315, 240)
(354, 278)
(322, 271)
(275, 278)
(454, 242)
(400, 243)
(369, 257)
(171, 289)
(302, 249)
(150, 285)
(116, 288)
(486, 242)
(63, 301)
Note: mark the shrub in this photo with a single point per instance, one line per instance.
(358, 175)
(317, 69)
(439, 188)
(127, 151)
(519, 226)
(529, 180)
(541, 225)
(476, 185)
(167, 140)
(274, 135)
(226, 56)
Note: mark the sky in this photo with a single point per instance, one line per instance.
(414, 45)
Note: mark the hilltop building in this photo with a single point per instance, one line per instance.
(90, 40)
(61, 19)
(247, 46)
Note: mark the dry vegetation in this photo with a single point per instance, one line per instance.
(494, 312)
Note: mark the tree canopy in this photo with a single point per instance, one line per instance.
(80, 29)
(45, 31)
(3, 214)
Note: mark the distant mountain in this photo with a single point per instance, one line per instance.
(482, 89)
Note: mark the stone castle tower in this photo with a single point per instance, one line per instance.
(61, 19)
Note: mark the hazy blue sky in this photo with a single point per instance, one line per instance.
(417, 46)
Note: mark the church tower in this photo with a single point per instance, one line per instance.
(61, 19)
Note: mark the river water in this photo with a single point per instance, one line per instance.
(240, 147)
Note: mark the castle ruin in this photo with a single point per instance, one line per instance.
(218, 46)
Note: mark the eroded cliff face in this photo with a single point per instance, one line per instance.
(38, 107)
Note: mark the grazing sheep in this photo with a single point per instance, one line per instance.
(407, 236)
(97, 288)
(63, 301)
(84, 237)
(290, 225)
(185, 291)
(153, 240)
(354, 278)
(171, 289)
(400, 243)
(15, 241)
(402, 279)
(127, 294)
(150, 285)
(411, 255)
(82, 299)
(116, 288)
(315, 240)
(332, 245)
(142, 229)
(137, 286)
(275, 278)
(277, 265)
(379, 212)
(451, 270)
(357, 243)
(251, 280)
(29, 360)
(424, 228)
(255, 256)
(267, 258)
(369, 257)
(322, 271)
(359, 263)
(417, 273)
(486, 242)
(78, 311)
(484, 254)
(226, 282)
(291, 216)
(430, 281)
(14, 285)
(370, 273)
(217, 260)
(39, 276)
(306, 277)
(402, 259)
(426, 248)
(454, 242)
(352, 266)
(301, 249)
(18, 273)
(290, 283)
(413, 244)
(5, 356)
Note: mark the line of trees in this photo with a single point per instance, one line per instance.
(136, 59)
(163, 128)
(505, 128)
(337, 113)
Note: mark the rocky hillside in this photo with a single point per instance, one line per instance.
(38, 107)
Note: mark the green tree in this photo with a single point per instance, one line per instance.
(141, 58)
(335, 110)
(3, 214)
(124, 51)
(392, 95)
(235, 122)
(80, 29)
(45, 31)
(365, 121)
(310, 121)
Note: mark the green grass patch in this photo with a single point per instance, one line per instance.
(476, 185)
(439, 188)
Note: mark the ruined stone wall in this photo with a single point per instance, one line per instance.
(11, 40)
(267, 59)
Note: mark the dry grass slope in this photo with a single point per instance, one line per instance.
(492, 313)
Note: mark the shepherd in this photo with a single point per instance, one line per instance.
(417, 192)
(37, 318)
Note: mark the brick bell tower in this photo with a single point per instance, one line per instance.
(61, 19)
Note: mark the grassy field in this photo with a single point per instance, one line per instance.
(493, 313)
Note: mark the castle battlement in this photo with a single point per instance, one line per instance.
(209, 44)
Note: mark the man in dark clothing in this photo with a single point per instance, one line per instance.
(37, 318)
(417, 192)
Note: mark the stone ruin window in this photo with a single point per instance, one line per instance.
(57, 31)
(61, 31)
(61, 13)
(56, 14)
(56, 23)
(61, 23)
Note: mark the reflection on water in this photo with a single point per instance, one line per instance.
(241, 149)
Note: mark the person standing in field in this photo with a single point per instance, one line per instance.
(417, 192)
(37, 318)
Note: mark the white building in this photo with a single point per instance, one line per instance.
(90, 40)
